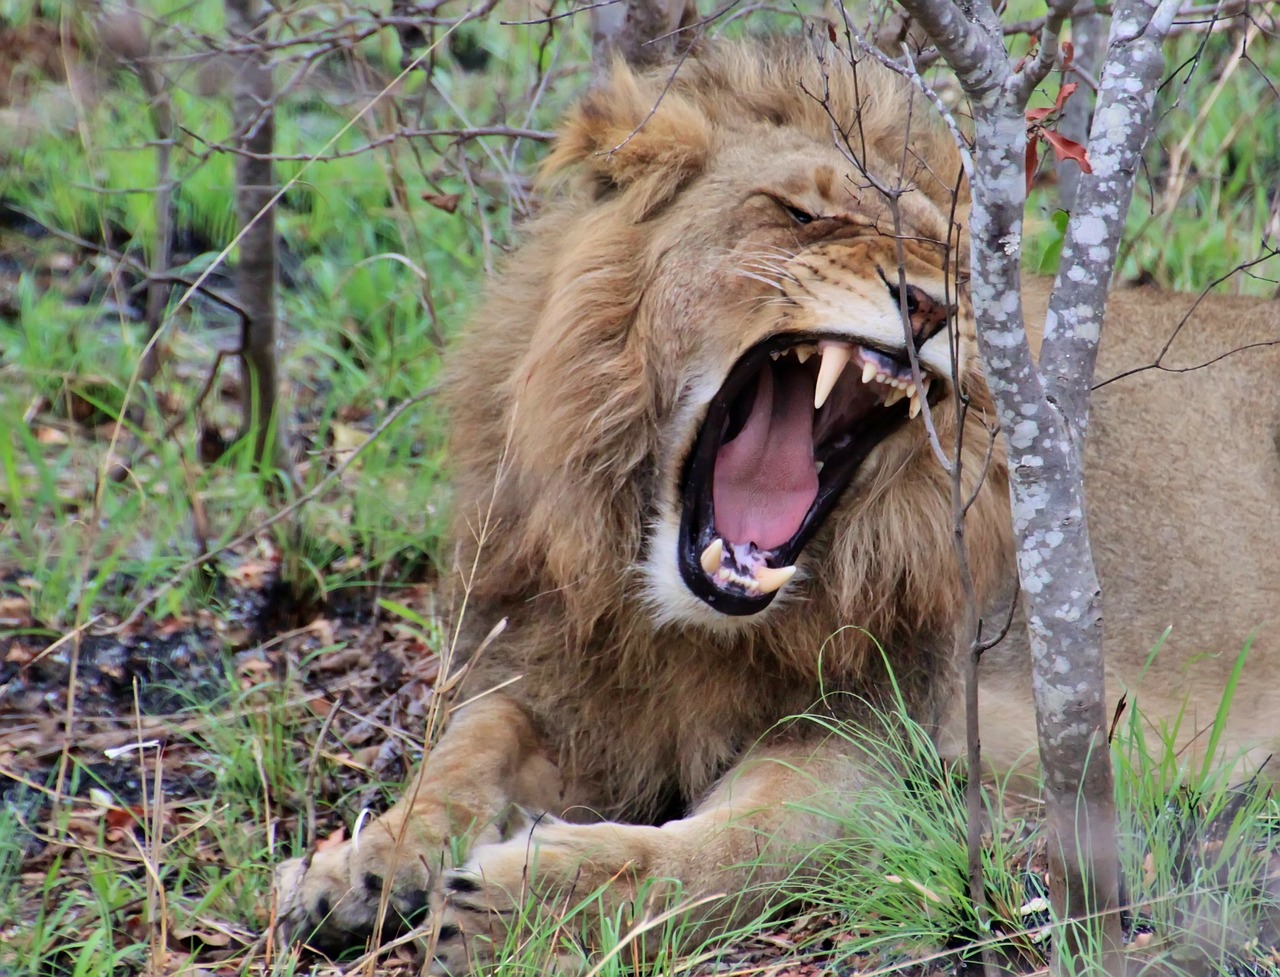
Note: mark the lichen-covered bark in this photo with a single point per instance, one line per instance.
(1043, 413)
(1122, 123)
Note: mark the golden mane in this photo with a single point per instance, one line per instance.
(562, 388)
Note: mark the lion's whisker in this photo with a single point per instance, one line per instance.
(760, 278)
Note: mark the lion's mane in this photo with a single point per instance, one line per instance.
(565, 394)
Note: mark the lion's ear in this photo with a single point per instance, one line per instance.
(635, 135)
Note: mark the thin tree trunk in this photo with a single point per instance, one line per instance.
(643, 32)
(1043, 414)
(256, 271)
(122, 33)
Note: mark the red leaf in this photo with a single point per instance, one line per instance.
(1033, 159)
(1068, 55)
(123, 817)
(1064, 93)
(1064, 148)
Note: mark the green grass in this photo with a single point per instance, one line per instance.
(378, 279)
(1206, 201)
(1197, 846)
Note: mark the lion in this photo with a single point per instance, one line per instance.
(696, 504)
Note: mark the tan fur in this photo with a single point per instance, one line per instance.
(657, 733)
(1183, 480)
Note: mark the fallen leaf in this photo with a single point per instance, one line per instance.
(51, 435)
(19, 654)
(448, 202)
(191, 937)
(335, 839)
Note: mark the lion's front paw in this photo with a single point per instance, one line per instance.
(553, 867)
(331, 900)
(479, 910)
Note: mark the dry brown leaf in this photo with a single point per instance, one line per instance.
(448, 202)
(20, 654)
(335, 839)
(51, 435)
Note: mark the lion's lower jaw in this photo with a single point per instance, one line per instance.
(669, 601)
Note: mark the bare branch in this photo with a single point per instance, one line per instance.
(1038, 68)
(974, 49)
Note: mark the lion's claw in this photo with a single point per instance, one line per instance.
(330, 900)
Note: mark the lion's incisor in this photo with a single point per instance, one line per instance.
(691, 473)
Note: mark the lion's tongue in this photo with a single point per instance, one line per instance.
(765, 480)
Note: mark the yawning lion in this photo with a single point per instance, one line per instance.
(692, 473)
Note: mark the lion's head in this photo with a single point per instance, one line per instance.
(693, 379)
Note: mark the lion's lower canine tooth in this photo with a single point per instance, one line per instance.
(711, 556)
(769, 579)
(835, 356)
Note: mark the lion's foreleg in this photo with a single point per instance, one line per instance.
(489, 760)
(718, 867)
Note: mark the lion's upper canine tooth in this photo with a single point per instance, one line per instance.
(868, 372)
(835, 356)
(894, 395)
(769, 579)
(914, 409)
(711, 556)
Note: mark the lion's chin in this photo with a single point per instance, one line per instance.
(670, 602)
(779, 445)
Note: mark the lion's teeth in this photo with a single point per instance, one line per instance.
(835, 356)
(769, 579)
(911, 390)
(868, 372)
(914, 409)
(894, 395)
(711, 556)
(804, 352)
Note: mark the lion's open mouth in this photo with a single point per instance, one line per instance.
(781, 441)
